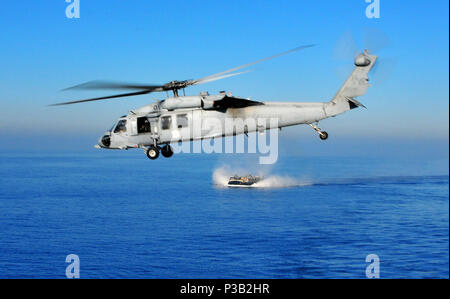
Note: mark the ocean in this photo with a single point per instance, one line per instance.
(128, 217)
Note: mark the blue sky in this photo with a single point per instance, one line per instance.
(154, 42)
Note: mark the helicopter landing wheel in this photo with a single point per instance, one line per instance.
(167, 151)
(153, 153)
(323, 135)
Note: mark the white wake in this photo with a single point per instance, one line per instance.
(222, 175)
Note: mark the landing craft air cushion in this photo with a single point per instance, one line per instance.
(243, 181)
(155, 126)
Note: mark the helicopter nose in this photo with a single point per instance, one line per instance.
(104, 142)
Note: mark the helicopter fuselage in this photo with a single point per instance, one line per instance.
(187, 118)
(155, 124)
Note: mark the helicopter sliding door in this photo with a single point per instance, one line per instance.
(176, 126)
(143, 125)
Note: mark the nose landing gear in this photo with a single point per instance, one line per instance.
(322, 134)
(153, 151)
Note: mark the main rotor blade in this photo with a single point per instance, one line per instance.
(173, 85)
(104, 98)
(112, 85)
(207, 78)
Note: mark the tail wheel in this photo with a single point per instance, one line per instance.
(167, 151)
(323, 135)
(153, 153)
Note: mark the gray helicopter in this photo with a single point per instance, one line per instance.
(155, 126)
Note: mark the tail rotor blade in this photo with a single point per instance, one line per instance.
(383, 69)
(346, 47)
(375, 40)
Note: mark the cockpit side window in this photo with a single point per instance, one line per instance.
(121, 126)
(166, 122)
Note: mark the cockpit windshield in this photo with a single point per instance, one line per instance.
(121, 126)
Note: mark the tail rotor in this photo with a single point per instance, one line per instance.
(372, 39)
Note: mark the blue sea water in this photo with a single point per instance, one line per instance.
(128, 217)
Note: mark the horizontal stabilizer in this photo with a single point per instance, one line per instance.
(356, 103)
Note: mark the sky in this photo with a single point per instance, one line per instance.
(42, 52)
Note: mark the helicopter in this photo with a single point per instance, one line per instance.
(155, 126)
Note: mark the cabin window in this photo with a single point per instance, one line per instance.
(121, 126)
(166, 122)
(143, 125)
(182, 121)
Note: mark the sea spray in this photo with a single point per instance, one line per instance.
(221, 176)
(275, 181)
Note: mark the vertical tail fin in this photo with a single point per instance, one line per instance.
(356, 85)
